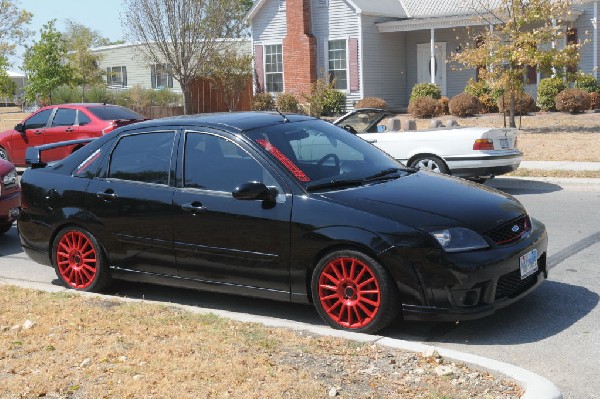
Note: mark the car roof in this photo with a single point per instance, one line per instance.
(239, 121)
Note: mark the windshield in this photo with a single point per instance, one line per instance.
(320, 155)
(114, 112)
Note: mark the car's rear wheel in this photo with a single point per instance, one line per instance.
(79, 261)
(430, 163)
(352, 291)
(5, 227)
(4, 154)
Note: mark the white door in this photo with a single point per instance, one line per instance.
(424, 64)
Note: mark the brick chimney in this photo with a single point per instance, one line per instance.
(299, 48)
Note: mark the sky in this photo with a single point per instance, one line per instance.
(100, 15)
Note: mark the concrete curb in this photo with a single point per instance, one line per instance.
(535, 386)
(545, 184)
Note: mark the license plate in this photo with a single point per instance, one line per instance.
(528, 263)
(504, 143)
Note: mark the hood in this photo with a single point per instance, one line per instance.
(429, 199)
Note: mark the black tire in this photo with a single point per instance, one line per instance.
(364, 300)
(430, 163)
(4, 154)
(79, 261)
(5, 227)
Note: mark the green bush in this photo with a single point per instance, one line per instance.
(423, 107)
(65, 95)
(586, 82)
(573, 101)
(165, 98)
(99, 94)
(263, 102)
(425, 90)
(547, 90)
(477, 88)
(287, 102)
(324, 99)
(524, 103)
(464, 104)
(371, 102)
(487, 97)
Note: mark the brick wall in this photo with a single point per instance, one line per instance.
(299, 48)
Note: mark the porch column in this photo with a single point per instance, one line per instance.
(553, 47)
(595, 44)
(432, 57)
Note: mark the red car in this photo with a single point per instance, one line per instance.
(10, 195)
(63, 122)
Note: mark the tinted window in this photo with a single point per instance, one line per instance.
(64, 117)
(215, 163)
(89, 166)
(143, 157)
(110, 113)
(83, 119)
(317, 151)
(38, 120)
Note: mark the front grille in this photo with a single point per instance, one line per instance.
(510, 285)
(511, 231)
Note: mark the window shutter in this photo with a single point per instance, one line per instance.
(572, 39)
(124, 71)
(259, 68)
(353, 58)
(153, 75)
(108, 78)
(531, 75)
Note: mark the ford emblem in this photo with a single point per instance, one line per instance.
(515, 228)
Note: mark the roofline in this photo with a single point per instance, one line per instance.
(448, 21)
(125, 45)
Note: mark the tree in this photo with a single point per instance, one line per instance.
(232, 72)
(84, 64)
(524, 35)
(13, 28)
(8, 87)
(185, 34)
(43, 63)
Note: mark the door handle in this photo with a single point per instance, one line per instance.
(38, 132)
(371, 141)
(69, 129)
(107, 195)
(194, 207)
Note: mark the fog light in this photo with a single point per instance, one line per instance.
(466, 297)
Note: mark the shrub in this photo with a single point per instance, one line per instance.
(586, 82)
(487, 97)
(165, 97)
(477, 88)
(464, 104)
(425, 90)
(423, 107)
(263, 102)
(324, 99)
(287, 102)
(371, 102)
(524, 103)
(595, 100)
(547, 90)
(65, 94)
(573, 101)
(99, 94)
(442, 107)
(488, 104)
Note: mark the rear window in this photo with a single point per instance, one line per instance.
(114, 112)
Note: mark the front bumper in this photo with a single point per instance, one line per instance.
(487, 163)
(471, 285)
(9, 207)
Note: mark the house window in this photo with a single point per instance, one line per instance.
(337, 64)
(274, 68)
(161, 76)
(116, 76)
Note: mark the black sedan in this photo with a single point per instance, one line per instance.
(282, 207)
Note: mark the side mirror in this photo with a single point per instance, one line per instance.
(20, 128)
(253, 191)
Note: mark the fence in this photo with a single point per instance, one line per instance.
(207, 96)
(155, 111)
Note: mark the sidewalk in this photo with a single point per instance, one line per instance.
(560, 165)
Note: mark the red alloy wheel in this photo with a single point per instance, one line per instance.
(76, 259)
(349, 292)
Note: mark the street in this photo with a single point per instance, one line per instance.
(553, 332)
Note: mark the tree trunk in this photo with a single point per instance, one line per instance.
(187, 98)
(511, 119)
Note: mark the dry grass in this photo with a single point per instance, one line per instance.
(89, 347)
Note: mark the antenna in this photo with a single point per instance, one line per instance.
(285, 120)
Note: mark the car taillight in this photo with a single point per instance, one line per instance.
(483, 144)
(112, 126)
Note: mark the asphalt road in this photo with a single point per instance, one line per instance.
(553, 332)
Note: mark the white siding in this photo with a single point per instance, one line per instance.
(138, 70)
(585, 31)
(384, 60)
(269, 24)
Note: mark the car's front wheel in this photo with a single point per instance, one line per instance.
(430, 163)
(79, 261)
(352, 291)
(4, 154)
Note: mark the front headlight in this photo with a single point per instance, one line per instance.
(458, 239)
